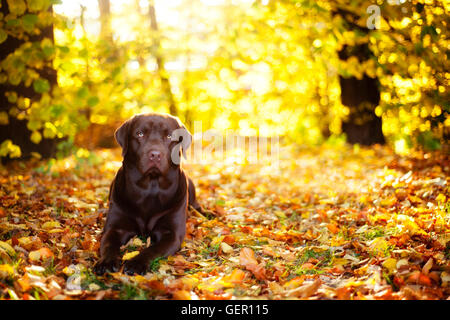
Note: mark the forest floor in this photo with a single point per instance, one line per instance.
(326, 223)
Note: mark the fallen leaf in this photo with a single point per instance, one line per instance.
(305, 291)
(41, 254)
(7, 248)
(130, 255)
(236, 276)
(181, 295)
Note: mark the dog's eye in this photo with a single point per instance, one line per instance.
(169, 136)
(139, 134)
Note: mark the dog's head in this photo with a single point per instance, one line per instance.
(153, 142)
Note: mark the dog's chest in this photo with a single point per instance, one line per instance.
(150, 209)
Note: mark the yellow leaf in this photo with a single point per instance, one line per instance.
(216, 240)
(390, 264)
(378, 247)
(25, 242)
(51, 225)
(441, 198)
(407, 223)
(7, 248)
(294, 283)
(56, 230)
(340, 262)
(388, 202)
(68, 271)
(137, 242)
(130, 255)
(6, 270)
(36, 137)
(280, 214)
(17, 7)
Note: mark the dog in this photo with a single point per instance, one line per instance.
(150, 193)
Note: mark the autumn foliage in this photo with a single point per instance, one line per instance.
(337, 223)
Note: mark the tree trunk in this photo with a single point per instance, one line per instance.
(105, 19)
(16, 130)
(162, 73)
(361, 96)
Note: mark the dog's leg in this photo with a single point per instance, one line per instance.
(166, 244)
(110, 244)
(192, 197)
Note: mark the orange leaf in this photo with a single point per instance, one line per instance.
(343, 293)
(414, 277)
(24, 283)
(235, 277)
(308, 266)
(247, 257)
(258, 270)
(181, 295)
(333, 228)
(217, 296)
(229, 239)
(41, 254)
(425, 280)
(45, 253)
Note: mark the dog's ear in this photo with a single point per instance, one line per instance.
(121, 136)
(184, 137)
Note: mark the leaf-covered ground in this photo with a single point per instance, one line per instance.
(329, 223)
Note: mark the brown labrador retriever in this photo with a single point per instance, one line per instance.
(150, 194)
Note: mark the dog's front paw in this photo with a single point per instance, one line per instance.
(107, 265)
(136, 265)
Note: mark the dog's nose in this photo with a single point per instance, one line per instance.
(155, 155)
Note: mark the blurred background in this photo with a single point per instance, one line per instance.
(311, 72)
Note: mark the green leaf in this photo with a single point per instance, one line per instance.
(56, 110)
(13, 23)
(83, 92)
(48, 51)
(3, 36)
(93, 101)
(64, 49)
(11, 96)
(41, 85)
(28, 21)
(15, 78)
(431, 30)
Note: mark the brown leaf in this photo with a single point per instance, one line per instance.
(247, 259)
(305, 291)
